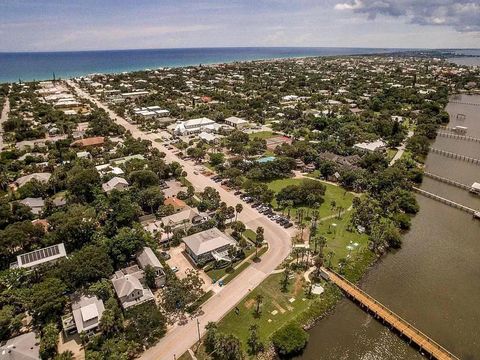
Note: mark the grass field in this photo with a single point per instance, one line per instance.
(341, 197)
(261, 135)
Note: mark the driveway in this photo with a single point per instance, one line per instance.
(181, 261)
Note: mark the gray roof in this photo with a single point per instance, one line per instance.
(23, 347)
(147, 257)
(87, 311)
(42, 177)
(41, 256)
(113, 183)
(207, 241)
(35, 204)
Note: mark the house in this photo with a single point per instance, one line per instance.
(86, 313)
(22, 347)
(41, 177)
(35, 204)
(236, 122)
(182, 218)
(372, 146)
(211, 244)
(89, 142)
(475, 188)
(145, 258)
(108, 169)
(115, 183)
(39, 257)
(129, 288)
(84, 155)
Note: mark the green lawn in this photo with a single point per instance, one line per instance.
(261, 135)
(273, 299)
(340, 241)
(341, 197)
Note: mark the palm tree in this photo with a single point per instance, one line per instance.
(238, 210)
(259, 237)
(258, 300)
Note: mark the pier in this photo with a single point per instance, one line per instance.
(455, 156)
(463, 103)
(447, 181)
(388, 317)
(457, 136)
(448, 202)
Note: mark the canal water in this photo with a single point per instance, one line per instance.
(433, 281)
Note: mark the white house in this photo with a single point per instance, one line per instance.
(372, 146)
(211, 244)
(194, 126)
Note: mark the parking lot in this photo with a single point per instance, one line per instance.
(179, 260)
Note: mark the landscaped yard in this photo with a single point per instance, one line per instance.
(343, 199)
(277, 307)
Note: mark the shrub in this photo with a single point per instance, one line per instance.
(289, 340)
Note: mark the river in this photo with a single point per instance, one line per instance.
(433, 281)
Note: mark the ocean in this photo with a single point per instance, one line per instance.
(28, 66)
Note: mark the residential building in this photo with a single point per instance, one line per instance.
(39, 257)
(86, 313)
(41, 177)
(181, 219)
(145, 258)
(372, 146)
(128, 285)
(115, 183)
(236, 122)
(211, 244)
(22, 347)
(35, 204)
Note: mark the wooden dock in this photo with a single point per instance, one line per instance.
(464, 103)
(414, 336)
(457, 136)
(455, 156)
(447, 181)
(448, 202)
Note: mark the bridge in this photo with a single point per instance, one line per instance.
(388, 317)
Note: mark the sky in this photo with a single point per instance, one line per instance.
(68, 25)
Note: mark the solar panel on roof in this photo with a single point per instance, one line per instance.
(40, 254)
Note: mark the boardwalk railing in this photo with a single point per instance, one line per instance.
(407, 330)
(464, 103)
(457, 136)
(446, 201)
(455, 156)
(447, 181)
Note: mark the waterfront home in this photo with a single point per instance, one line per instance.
(146, 257)
(22, 347)
(128, 285)
(39, 257)
(211, 244)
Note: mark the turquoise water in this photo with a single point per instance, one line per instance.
(42, 65)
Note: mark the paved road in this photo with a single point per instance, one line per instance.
(181, 338)
(401, 149)
(3, 118)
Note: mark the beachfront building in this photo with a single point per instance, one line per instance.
(211, 244)
(236, 122)
(372, 146)
(39, 257)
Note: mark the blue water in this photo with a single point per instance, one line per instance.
(42, 65)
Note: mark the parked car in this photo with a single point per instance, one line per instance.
(165, 255)
(174, 269)
(288, 225)
(238, 192)
(255, 205)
